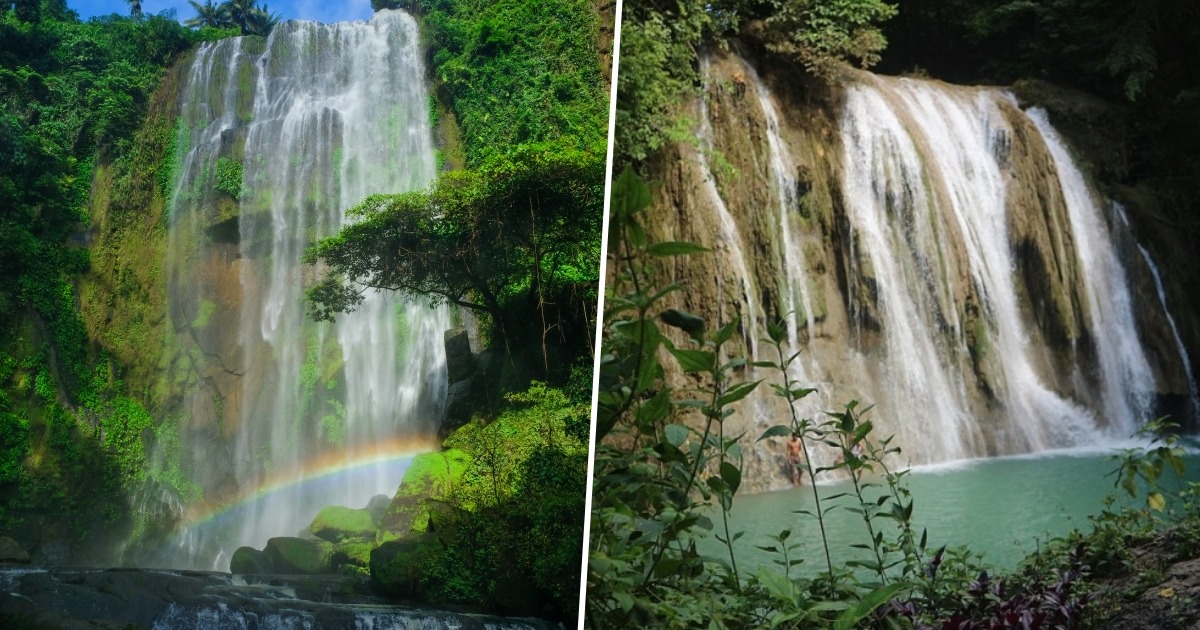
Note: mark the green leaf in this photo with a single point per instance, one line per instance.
(676, 434)
(867, 605)
(726, 331)
(737, 392)
(630, 194)
(675, 248)
(693, 360)
(778, 430)
(732, 476)
(683, 320)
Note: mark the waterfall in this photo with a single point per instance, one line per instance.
(1193, 396)
(969, 285)
(795, 276)
(1128, 385)
(731, 237)
(309, 122)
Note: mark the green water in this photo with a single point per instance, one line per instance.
(1001, 508)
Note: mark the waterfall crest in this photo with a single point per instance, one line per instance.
(934, 250)
(277, 139)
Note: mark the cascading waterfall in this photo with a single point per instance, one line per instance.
(981, 304)
(731, 236)
(307, 125)
(1193, 395)
(795, 274)
(1128, 385)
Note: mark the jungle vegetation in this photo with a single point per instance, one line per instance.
(72, 97)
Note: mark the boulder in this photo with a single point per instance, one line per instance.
(300, 556)
(336, 523)
(378, 506)
(460, 364)
(427, 475)
(396, 565)
(11, 552)
(354, 553)
(250, 560)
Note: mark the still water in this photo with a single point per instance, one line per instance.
(1002, 508)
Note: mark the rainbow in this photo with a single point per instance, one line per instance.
(324, 466)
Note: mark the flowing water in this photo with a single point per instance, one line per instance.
(986, 311)
(315, 119)
(730, 234)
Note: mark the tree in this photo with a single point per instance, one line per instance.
(244, 15)
(514, 239)
(822, 34)
(135, 8)
(208, 14)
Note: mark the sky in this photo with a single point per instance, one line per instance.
(319, 10)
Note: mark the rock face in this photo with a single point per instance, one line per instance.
(250, 560)
(336, 524)
(460, 363)
(11, 552)
(945, 273)
(461, 367)
(300, 556)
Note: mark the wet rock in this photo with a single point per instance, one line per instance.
(378, 506)
(336, 523)
(459, 404)
(299, 556)
(123, 598)
(250, 560)
(11, 552)
(460, 364)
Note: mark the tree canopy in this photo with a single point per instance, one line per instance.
(245, 15)
(514, 239)
(660, 44)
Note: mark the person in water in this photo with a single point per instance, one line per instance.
(794, 461)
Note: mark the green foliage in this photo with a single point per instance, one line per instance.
(232, 17)
(519, 72)
(71, 97)
(512, 529)
(229, 177)
(518, 241)
(823, 34)
(660, 44)
(205, 313)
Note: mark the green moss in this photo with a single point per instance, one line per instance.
(207, 308)
(336, 524)
(355, 553)
(299, 555)
(229, 177)
(333, 425)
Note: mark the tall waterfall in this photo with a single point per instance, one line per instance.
(937, 252)
(311, 121)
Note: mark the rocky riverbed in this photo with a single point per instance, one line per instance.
(37, 598)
